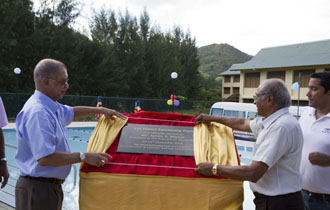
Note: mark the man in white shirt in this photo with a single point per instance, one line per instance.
(274, 170)
(315, 161)
(4, 175)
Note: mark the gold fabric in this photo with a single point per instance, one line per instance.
(212, 143)
(100, 191)
(104, 134)
(215, 143)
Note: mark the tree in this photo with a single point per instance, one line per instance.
(66, 12)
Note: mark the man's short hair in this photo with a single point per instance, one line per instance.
(325, 79)
(278, 89)
(47, 67)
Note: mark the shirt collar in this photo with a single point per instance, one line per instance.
(47, 101)
(311, 112)
(270, 119)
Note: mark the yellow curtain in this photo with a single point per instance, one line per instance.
(101, 191)
(212, 143)
(104, 134)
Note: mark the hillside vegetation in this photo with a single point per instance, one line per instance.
(216, 58)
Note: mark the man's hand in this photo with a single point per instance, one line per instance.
(204, 169)
(96, 159)
(320, 159)
(4, 175)
(203, 118)
(110, 113)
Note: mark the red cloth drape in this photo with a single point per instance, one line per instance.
(154, 118)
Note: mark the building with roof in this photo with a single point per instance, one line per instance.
(230, 85)
(290, 63)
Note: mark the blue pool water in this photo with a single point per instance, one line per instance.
(78, 139)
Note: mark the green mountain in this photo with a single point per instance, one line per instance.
(216, 58)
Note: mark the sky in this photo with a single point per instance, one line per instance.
(248, 25)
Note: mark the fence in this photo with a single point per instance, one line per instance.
(14, 102)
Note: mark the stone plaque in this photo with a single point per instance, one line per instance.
(157, 139)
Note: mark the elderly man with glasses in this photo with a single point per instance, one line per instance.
(43, 154)
(274, 170)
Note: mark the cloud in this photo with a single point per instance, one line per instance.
(248, 25)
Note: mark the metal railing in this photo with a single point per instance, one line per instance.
(14, 102)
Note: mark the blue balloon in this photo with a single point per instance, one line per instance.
(295, 86)
(176, 103)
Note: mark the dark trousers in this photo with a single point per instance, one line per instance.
(38, 195)
(315, 201)
(291, 201)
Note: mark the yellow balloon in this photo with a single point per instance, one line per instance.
(169, 102)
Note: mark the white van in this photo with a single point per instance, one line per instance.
(245, 110)
(232, 109)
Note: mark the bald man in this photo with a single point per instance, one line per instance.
(4, 175)
(43, 154)
(274, 170)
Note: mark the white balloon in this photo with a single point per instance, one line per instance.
(17, 70)
(174, 75)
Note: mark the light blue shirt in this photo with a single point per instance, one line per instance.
(40, 131)
(3, 116)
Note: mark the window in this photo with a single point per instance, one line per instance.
(252, 115)
(227, 78)
(217, 112)
(233, 113)
(237, 78)
(249, 149)
(240, 148)
(276, 74)
(252, 80)
(247, 100)
(226, 90)
(305, 74)
(236, 90)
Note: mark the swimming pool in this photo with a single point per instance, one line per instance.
(78, 138)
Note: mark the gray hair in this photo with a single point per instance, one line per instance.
(278, 89)
(46, 67)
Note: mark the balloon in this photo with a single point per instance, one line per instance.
(176, 103)
(295, 86)
(174, 75)
(169, 102)
(172, 97)
(17, 70)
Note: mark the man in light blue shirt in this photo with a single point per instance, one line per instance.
(4, 175)
(43, 154)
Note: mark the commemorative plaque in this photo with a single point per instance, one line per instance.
(156, 139)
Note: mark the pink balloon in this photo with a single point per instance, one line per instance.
(176, 103)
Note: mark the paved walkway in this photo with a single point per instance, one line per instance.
(5, 207)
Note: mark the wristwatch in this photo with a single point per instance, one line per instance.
(82, 156)
(215, 169)
(3, 159)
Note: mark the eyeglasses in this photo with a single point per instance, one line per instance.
(62, 82)
(257, 95)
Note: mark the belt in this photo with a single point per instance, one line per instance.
(44, 179)
(318, 196)
(259, 195)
